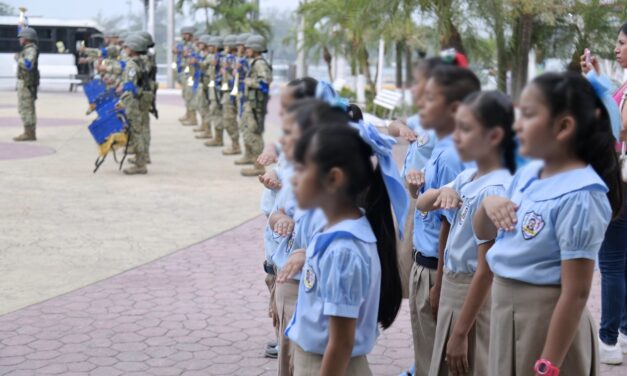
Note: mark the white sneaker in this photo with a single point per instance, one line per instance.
(610, 354)
(622, 341)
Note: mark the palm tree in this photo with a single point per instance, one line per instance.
(229, 16)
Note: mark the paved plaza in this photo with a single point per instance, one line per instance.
(106, 274)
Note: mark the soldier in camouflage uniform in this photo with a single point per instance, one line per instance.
(183, 51)
(257, 94)
(149, 62)
(215, 104)
(135, 99)
(27, 83)
(229, 102)
(242, 66)
(203, 100)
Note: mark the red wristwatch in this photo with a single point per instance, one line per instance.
(545, 368)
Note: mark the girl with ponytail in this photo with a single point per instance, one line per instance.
(349, 283)
(483, 133)
(549, 230)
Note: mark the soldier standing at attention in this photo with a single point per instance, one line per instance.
(182, 52)
(202, 96)
(242, 67)
(229, 102)
(134, 94)
(257, 94)
(27, 82)
(215, 104)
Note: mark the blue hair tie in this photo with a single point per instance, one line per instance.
(603, 89)
(382, 148)
(326, 93)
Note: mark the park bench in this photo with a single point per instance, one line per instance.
(389, 100)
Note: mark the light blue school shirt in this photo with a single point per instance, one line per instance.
(307, 222)
(341, 277)
(285, 200)
(419, 151)
(563, 217)
(461, 246)
(441, 169)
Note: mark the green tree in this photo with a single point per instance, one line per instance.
(228, 16)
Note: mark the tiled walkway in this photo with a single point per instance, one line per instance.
(199, 311)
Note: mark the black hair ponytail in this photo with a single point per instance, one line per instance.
(570, 93)
(379, 214)
(495, 109)
(339, 145)
(303, 87)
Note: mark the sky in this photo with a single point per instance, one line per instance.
(88, 9)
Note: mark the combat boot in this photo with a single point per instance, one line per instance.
(139, 168)
(191, 120)
(217, 140)
(204, 128)
(255, 170)
(233, 150)
(132, 160)
(246, 159)
(184, 117)
(207, 135)
(28, 135)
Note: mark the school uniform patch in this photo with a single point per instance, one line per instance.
(423, 214)
(422, 139)
(309, 280)
(532, 225)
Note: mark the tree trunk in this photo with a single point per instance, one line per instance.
(207, 26)
(328, 58)
(449, 35)
(501, 48)
(399, 64)
(409, 66)
(365, 68)
(522, 45)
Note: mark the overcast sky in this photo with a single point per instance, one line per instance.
(90, 8)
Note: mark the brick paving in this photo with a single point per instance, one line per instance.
(198, 311)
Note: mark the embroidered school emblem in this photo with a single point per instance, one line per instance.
(422, 139)
(423, 214)
(532, 224)
(310, 278)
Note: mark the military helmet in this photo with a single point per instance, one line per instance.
(136, 43)
(203, 38)
(113, 51)
(206, 39)
(257, 43)
(188, 30)
(230, 41)
(242, 38)
(28, 33)
(148, 38)
(123, 35)
(218, 42)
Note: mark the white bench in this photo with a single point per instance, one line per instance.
(387, 99)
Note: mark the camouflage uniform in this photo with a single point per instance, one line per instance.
(184, 51)
(136, 99)
(27, 84)
(202, 98)
(244, 65)
(257, 82)
(229, 102)
(215, 105)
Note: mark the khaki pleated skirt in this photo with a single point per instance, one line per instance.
(271, 284)
(454, 290)
(309, 364)
(405, 247)
(520, 318)
(286, 295)
(422, 322)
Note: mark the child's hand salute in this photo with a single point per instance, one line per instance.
(447, 199)
(415, 180)
(501, 211)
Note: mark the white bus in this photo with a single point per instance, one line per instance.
(59, 41)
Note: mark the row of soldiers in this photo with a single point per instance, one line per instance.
(128, 66)
(227, 81)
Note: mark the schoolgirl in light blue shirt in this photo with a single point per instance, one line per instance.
(350, 280)
(460, 254)
(550, 228)
(419, 151)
